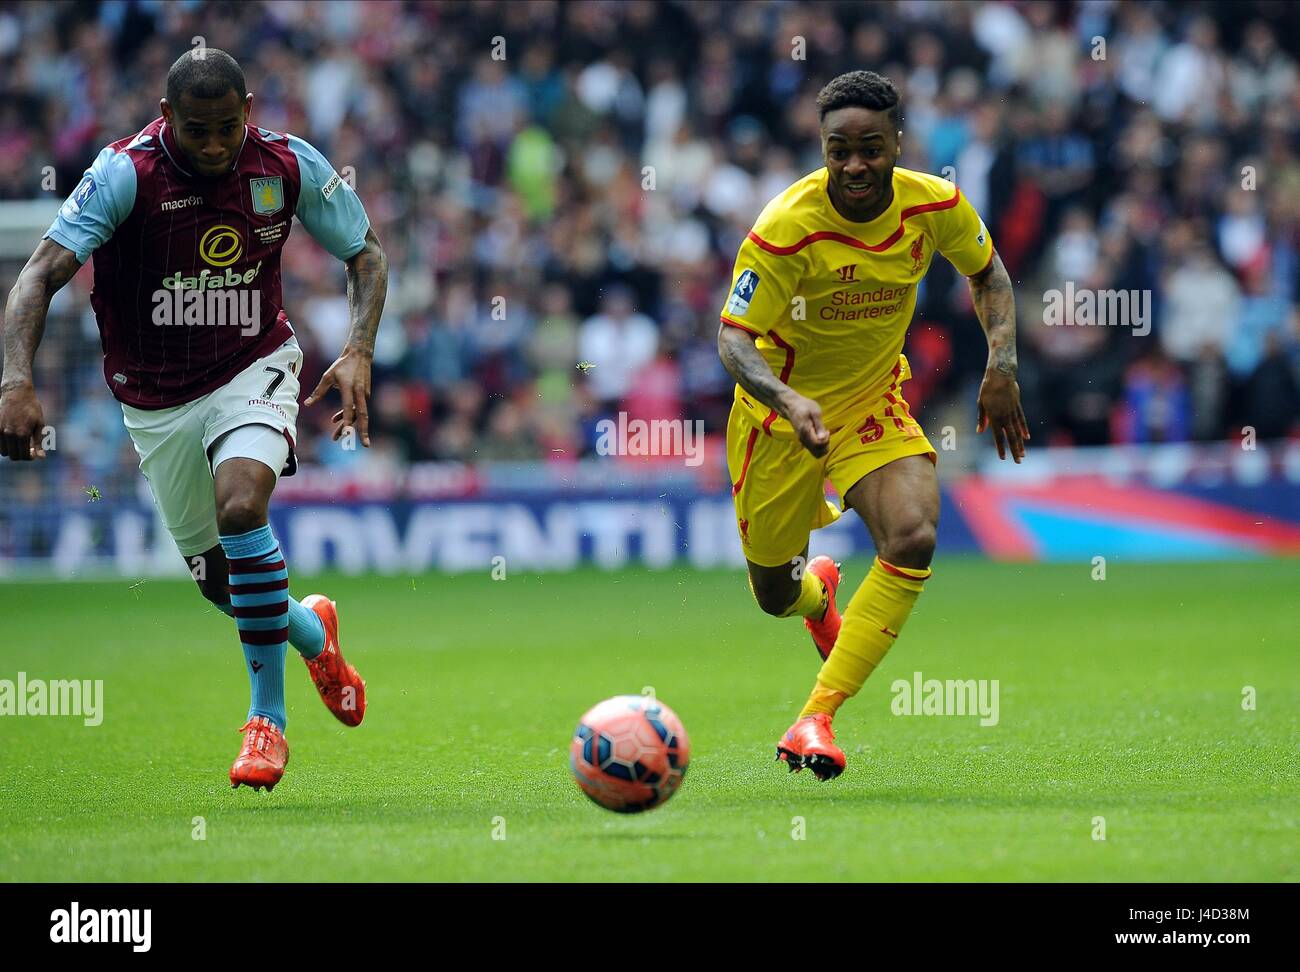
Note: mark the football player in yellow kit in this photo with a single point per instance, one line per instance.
(822, 294)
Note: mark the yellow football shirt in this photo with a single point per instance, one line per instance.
(831, 299)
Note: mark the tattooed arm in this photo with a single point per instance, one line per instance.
(744, 363)
(21, 418)
(999, 395)
(367, 288)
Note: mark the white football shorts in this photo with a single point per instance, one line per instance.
(176, 445)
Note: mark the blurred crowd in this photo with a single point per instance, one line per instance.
(561, 189)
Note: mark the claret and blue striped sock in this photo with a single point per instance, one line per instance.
(259, 597)
(306, 632)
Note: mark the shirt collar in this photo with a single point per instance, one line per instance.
(889, 217)
(168, 140)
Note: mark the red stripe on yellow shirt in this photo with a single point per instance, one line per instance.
(893, 238)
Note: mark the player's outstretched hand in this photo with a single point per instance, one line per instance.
(999, 409)
(350, 374)
(21, 424)
(806, 417)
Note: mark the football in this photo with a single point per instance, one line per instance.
(629, 753)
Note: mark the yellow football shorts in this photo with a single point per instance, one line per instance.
(778, 486)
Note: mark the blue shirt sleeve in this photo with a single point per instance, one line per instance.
(327, 206)
(101, 202)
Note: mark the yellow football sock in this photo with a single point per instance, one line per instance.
(872, 621)
(811, 602)
(823, 700)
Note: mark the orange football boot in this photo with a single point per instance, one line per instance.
(827, 629)
(263, 756)
(333, 676)
(810, 742)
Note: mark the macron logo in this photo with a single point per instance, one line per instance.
(133, 925)
(173, 204)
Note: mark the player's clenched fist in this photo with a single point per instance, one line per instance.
(21, 424)
(806, 417)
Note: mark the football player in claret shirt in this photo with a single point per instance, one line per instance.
(822, 294)
(186, 220)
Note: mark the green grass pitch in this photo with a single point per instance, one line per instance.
(1119, 699)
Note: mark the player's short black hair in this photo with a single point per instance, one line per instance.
(210, 75)
(860, 89)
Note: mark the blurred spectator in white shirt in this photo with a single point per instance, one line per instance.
(615, 344)
(1200, 307)
(1191, 75)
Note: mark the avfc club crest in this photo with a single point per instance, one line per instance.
(268, 195)
(918, 253)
